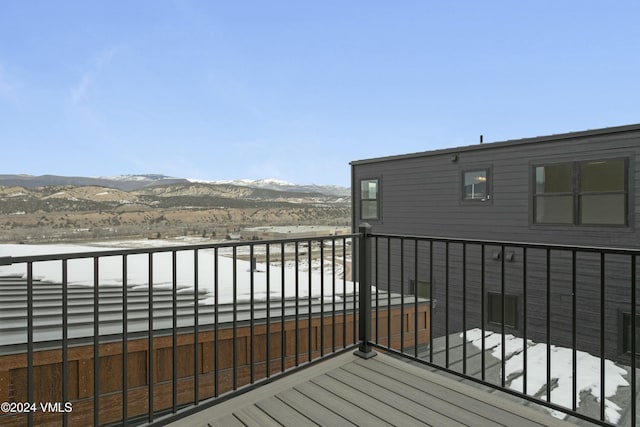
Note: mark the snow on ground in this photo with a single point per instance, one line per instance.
(81, 272)
(588, 371)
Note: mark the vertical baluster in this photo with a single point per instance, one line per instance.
(402, 294)
(30, 314)
(415, 298)
(310, 308)
(196, 328)
(125, 343)
(602, 341)
(446, 302)
(390, 336)
(574, 361)
(333, 294)
(548, 304)
(634, 344)
(377, 282)
(503, 318)
(65, 345)
(431, 305)
(321, 242)
(252, 310)
(174, 330)
(268, 316)
(482, 312)
(524, 320)
(283, 340)
(216, 304)
(150, 337)
(297, 302)
(235, 317)
(96, 343)
(344, 292)
(464, 308)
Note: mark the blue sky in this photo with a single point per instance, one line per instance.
(295, 90)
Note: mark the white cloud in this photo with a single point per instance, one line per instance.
(80, 90)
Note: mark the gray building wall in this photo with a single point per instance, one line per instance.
(421, 195)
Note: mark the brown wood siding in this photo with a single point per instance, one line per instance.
(48, 365)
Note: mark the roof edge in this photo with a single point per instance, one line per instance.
(499, 144)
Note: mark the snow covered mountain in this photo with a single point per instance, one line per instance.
(279, 185)
(138, 181)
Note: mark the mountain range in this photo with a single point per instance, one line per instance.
(61, 208)
(137, 182)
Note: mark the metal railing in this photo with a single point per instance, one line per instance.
(506, 314)
(147, 349)
(151, 335)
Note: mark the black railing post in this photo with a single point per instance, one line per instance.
(364, 294)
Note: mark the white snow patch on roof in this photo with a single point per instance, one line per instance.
(81, 272)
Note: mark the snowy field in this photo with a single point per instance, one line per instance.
(320, 281)
(588, 371)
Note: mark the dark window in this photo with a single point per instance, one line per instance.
(554, 194)
(494, 309)
(423, 291)
(475, 185)
(369, 206)
(626, 333)
(581, 193)
(603, 192)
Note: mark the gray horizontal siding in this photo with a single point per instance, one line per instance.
(396, 269)
(421, 195)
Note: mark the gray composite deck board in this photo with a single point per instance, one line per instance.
(450, 408)
(458, 403)
(279, 410)
(380, 409)
(346, 390)
(228, 421)
(351, 413)
(409, 408)
(253, 416)
(311, 409)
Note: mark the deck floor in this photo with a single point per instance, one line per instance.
(347, 390)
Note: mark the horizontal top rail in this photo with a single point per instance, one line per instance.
(138, 251)
(597, 249)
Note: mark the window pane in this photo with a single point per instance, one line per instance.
(369, 209)
(603, 209)
(602, 176)
(423, 288)
(495, 309)
(369, 189)
(626, 333)
(554, 179)
(475, 185)
(554, 210)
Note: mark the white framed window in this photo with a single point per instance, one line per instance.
(476, 185)
(369, 199)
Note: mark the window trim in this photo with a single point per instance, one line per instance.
(488, 172)
(377, 199)
(576, 193)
